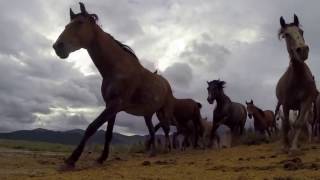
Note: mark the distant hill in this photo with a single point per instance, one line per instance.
(71, 137)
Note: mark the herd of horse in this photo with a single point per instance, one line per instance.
(128, 86)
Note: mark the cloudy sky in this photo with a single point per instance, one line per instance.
(188, 41)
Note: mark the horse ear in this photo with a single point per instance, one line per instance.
(72, 15)
(208, 82)
(83, 8)
(251, 101)
(247, 102)
(296, 20)
(282, 22)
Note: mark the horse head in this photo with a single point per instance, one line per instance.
(293, 35)
(78, 33)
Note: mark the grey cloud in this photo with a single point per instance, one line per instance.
(179, 74)
(204, 52)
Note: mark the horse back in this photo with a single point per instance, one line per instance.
(152, 93)
(186, 109)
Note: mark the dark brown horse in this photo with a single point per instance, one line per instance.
(264, 121)
(296, 89)
(187, 119)
(232, 114)
(126, 85)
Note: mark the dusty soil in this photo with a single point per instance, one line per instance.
(242, 162)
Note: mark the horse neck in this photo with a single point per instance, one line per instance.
(222, 100)
(297, 66)
(301, 74)
(106, 54)
(258, 114)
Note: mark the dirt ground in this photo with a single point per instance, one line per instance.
(242, 162)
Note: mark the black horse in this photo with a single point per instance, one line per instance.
(231, 114)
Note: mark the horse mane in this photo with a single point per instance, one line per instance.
(125, 47)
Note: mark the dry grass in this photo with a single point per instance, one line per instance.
(241, 162)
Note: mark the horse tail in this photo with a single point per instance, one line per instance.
(277, 111)
(274, 122)
(198, 119)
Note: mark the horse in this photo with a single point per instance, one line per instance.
(296, 89)
(126, 86)
(187, 119)
(264, 121)
(231, 114)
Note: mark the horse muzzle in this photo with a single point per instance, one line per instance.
(60, 49)
(303, 52)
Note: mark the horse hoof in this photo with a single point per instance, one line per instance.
(152, 154)
(99, 161)
(284, 150)
(67, 167)
(295, 152)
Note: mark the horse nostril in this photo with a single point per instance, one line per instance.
(306, 48)
(299, 50)
(58, 45)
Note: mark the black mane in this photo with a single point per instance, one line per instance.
(125, 47)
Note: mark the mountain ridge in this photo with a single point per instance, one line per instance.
(69, 137)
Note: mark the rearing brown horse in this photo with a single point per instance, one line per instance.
(296, 89)
(126, 85)
(264, 121)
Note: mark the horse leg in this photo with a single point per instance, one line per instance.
(151, 141)
(108, 137)
(166, 129)
(174, 139)
(91, 129)
(298, 125)
(165, 124)
(285, 128)
(269, 134)
(196, 132)
(185, 142)
(156, 128)
(212, 134)
(310, 132)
